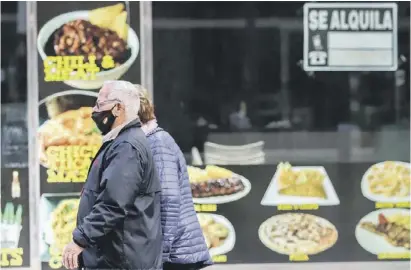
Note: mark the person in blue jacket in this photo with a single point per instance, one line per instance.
(119, 216)
(184, 246)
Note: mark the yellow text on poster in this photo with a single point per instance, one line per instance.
(394, 256)
(65, 68)
(220, 258)
(288, 207)
(380, 205)
(69, 163)
(298, 258)
(11, 257)
(205, 207)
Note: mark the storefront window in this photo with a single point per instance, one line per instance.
(285, 164)
(229, 80)
(224, 72)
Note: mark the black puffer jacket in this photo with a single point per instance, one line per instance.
(118, 221)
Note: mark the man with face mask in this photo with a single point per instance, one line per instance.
(118, 221)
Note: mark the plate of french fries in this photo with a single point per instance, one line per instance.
(387, 182)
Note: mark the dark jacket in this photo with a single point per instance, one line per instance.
(118, 221)
(183, 240)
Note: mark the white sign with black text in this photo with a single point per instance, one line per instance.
(350, 36)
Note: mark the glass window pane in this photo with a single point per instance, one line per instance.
(231, 71)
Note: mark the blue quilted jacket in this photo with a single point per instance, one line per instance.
(183, 240)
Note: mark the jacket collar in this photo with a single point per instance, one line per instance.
(149, 126)
(154, 131)
(135, 123)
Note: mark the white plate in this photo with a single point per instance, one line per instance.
(379, 198)
(227, 198)
(229, 241)
(266, 241)
(372, 242)
(272, 197)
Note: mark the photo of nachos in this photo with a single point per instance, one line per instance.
(305, 182)
(300, 185)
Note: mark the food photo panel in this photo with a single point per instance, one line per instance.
(387, 182)
(217, 185)
(68, 137)
(58, 213)
(85, 43)
(300, 185)
(297, 233)
(218, 232)
(385, 233)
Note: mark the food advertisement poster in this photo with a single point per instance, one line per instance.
(290, 213)
(15, 218)
(80, 45)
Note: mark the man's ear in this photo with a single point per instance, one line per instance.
(117, 109)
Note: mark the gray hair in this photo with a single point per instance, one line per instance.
(142, 92)
(124, 92)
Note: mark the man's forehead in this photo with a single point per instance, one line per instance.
(103, 94)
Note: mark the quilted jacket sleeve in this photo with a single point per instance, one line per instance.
(168, 170)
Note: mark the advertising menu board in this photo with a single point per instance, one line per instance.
(14, 203)
(341, 212)
(80, 45)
